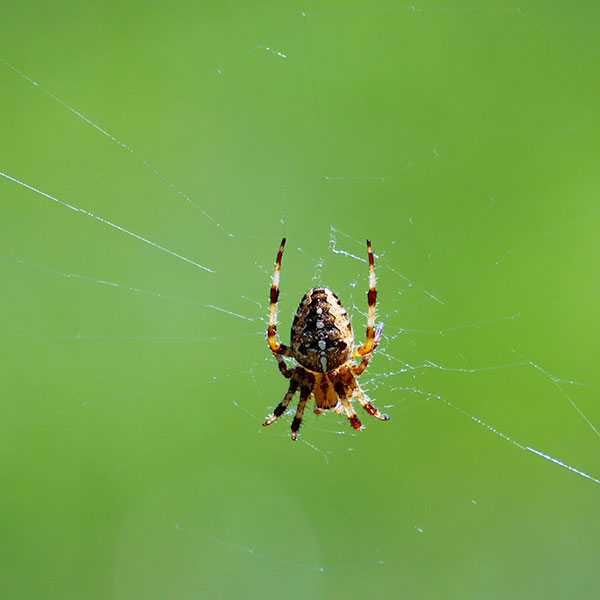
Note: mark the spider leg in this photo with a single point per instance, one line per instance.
(359, 368)
(305, 392)
(342, 392)
(372, 336)
(372, 410)
(275, 346)
(280, 409)
(285, 371)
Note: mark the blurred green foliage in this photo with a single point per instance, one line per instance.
(462, 140)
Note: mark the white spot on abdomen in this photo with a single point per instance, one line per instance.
(322, 344)
(324, 362)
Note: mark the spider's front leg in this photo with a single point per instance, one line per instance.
(305, 392)
(341, 385)
(300, 379)
(366, 404)
(280, 409)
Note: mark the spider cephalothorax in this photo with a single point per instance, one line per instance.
(323, 343)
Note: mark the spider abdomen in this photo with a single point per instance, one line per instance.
(321, 337)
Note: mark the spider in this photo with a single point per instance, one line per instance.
(323, 343)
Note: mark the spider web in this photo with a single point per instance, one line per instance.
(144, 304)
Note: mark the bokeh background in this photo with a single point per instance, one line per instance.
(461, 137)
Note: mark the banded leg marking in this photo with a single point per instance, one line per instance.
(285, 371)
(280, 409)
(372, 338)
(359, 368)
(305, 391)
(275, 346)
(366, 404)
(340, 388)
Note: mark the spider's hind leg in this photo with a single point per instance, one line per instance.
(372, 334)
(358, 369)
(275, 346)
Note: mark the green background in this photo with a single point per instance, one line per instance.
(462, 138)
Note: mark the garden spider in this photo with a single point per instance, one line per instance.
(323, 343)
